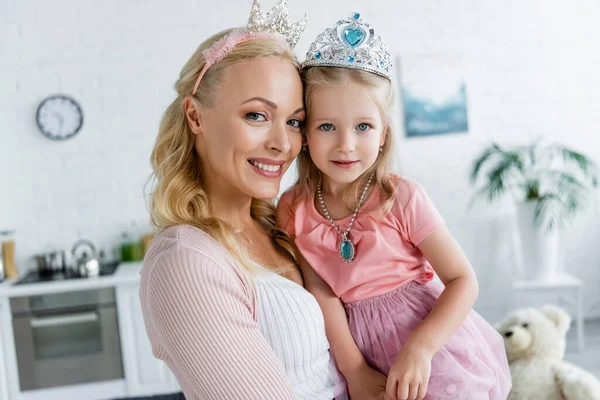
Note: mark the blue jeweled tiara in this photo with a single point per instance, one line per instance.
(350, 43)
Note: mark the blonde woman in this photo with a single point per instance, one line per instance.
(221, 293)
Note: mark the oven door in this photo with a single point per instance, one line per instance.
(67, 347)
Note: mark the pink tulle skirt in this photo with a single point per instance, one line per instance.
(472, 365)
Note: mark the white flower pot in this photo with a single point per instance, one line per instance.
(539, 247)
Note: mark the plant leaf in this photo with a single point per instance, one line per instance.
(547, 211)
(484, 158)
(585, 164)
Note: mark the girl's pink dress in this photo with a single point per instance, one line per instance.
(388, 291)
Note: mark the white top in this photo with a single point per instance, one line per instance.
(292, 322)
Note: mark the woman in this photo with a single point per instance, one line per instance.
(221, 294)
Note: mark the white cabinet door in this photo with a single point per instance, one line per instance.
(3, 376)
(144, 374)
(9, 377)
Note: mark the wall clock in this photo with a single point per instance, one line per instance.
(59, 117)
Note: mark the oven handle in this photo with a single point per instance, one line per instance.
(63, 320)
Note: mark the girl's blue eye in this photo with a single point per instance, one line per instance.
(254, 116)
(363, 127)
(295, 123)
(326, 127)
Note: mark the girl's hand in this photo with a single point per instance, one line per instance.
(409, 376)
(365, 383)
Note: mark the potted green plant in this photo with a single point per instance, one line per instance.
(550, 182)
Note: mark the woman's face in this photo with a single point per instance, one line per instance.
(249, 138)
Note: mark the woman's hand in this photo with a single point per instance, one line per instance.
(409, 375)
(365, 383)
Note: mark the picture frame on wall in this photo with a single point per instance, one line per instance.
(434, 94)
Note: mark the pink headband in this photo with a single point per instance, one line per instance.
(223, 46)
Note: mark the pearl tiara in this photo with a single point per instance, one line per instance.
(275, 24)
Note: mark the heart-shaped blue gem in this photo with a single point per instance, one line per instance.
(354, 36)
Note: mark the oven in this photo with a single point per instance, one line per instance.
(67, 338)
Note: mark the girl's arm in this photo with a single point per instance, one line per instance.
(347, 355)
(363, 381)
(460, 292)
(345, 351)
(410, 373)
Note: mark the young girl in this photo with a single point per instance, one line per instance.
(372, 241)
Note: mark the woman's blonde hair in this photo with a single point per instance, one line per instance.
(382, 93)
(179, 197)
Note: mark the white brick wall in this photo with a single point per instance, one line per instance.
(531, 66)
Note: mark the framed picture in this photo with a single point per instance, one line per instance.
(434, 96)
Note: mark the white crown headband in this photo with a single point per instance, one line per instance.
(275, 24)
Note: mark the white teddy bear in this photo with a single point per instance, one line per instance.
(535, 346)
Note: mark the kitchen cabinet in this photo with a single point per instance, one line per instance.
(144, 374)
(3, 369)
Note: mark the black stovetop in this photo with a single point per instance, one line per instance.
(34, 276)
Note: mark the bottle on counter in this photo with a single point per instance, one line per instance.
(131, 249)
(8, 269)
(1, 267)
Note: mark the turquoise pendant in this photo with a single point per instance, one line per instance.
(347, 250)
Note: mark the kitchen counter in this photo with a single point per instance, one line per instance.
(126, 273)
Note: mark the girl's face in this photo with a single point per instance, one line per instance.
(344, 132)
(253, 133)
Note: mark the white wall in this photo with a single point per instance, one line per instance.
(531, 69)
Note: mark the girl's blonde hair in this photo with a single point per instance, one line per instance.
(179, 197)
(383, 95)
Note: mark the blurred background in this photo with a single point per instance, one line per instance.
(512, 72)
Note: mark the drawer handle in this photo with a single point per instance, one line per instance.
(64, 320)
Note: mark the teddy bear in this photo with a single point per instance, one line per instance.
(534, 339)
